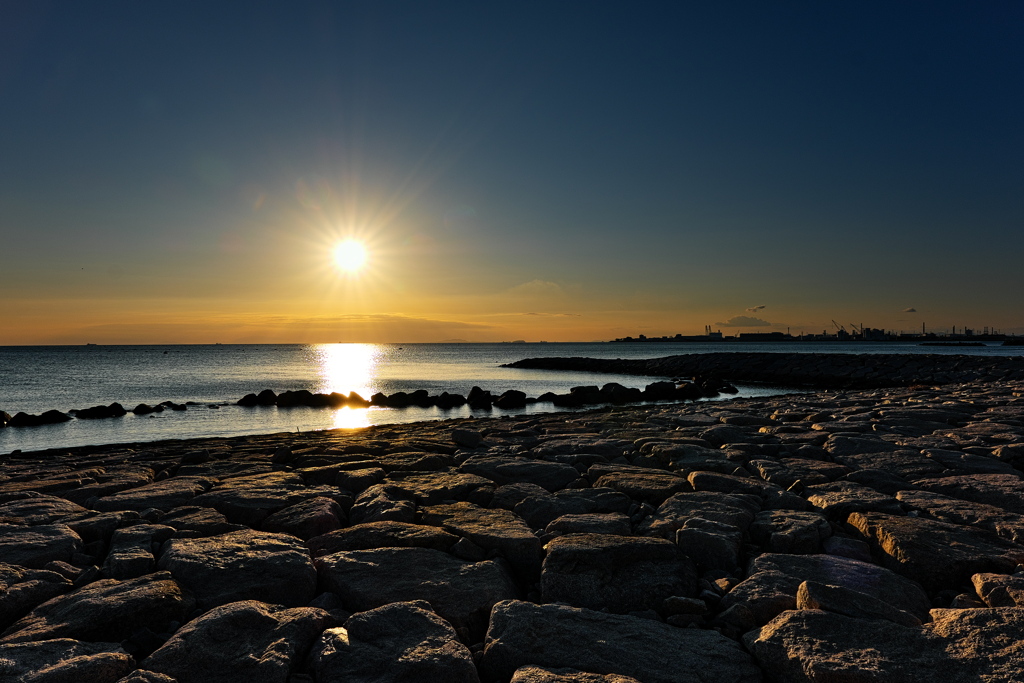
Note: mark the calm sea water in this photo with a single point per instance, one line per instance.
(36, 379)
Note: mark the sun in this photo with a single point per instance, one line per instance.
(350, 256)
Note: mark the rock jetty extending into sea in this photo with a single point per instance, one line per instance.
(857, 536)
(822, 370)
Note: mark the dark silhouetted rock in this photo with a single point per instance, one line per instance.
(384, 534)
(383, 503)
(511, 399)
(22, 590)
(614, 523)
(551, 476)
(34, 546)
(403, 641)
(241, 642)
(312, 517)
(162, 495)
(539, 674)
(851, 603)
(523, 634)
(788, 531)
(20, 661)
(490, 529)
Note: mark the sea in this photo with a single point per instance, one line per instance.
(211, 378)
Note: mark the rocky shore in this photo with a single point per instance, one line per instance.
(854, 536)
(822, 370)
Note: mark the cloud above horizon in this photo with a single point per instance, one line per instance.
(910, 310)
(744, 321)
(755, 309)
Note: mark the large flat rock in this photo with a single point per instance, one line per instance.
(461, 592)
(242, 565)
(162, 495)
(551, 476)
(34, 546)
(556, 636)
(62, 659)
(491, 529)
(385, 534)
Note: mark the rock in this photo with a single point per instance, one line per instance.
(614, 523)
(386, 534)
(649, 486)
(461, 592)
(143, 676)
(551, 476)
(19, 661)
(490, 529)
(539, 508)
(131, 550)
(773, 580)
(359, 480)
(240, 642)
(431, 488)
(249, 499)
(510, 400)
(467, 438)
(1002, 490)
(618, 573)
(312, 517)
(838, 499)
(711, 545)
(242, 565)
(555, 636)
(403, 641)
(21, 590)
(772, 497)
(1007, 525)
(788, 531)
(106, 611)
(736, 511)
(539, 674)
(162, 495)
(1000, 590)
(987, 642)
(850, 603)
(383, 503)
(936, 554)
(41, 509)
(104, 667)
(34, 546)
(192, 520)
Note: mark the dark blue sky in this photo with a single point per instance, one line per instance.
(561, 170)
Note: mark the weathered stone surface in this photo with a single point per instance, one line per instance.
(402, 641)
(649, 486)
(131, 550)
(1008, 525)
(1002, 490)
(242, 565)
(551, 476)
(309, 518)
(192, 520)
(372, 535)
(773, 580)
(143, 676)
(851, 603)
(838, 499)
(249, 499)
(432, 488)
(555, 636)
(789, 531)
(1000, 590)
(539, 674)
(711, 545)
(614, 523)
(22, 589)
(461, 592)
(539, 508)
(19, 661)
(40, 509)
(734, 510)
(240, 642)
(383, 503)
(162, 495)
(104, 667)
(106, 611)
(491, 529)
(617, 573)
(772, 497)
(936, 554)
(34, 546)
(986, 642)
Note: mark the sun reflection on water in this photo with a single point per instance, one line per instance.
(344, 368)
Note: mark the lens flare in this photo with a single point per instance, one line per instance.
(350, 256)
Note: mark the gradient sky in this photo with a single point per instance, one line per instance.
(180, 171)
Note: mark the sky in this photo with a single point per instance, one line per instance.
(181, 172)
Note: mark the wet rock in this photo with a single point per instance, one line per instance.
(461, 592)
(240, 642)
(106, 611)
(403, 641)
(34, 546)
(773, 580)
(788, 531)
(1000, 590)
(936, 554)
(555, 636)
(501, 470)
(313, 517)
(490, 529)
(510, 400)
(385, 534)
(242, 565)
(162, 495)
(849, 602)
(618, 573)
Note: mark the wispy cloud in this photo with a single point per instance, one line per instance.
(910, 310)
(755, 309)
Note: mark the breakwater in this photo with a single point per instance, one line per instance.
(819, 370)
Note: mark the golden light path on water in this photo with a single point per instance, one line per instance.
(345, 368)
